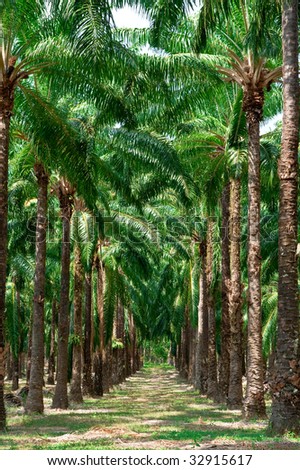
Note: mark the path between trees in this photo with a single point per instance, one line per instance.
(155, 409)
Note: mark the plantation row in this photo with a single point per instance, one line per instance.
(145, 199)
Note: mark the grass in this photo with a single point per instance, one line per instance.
(155, 409)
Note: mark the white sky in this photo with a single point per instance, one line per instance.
(270, 124)
(128, 17)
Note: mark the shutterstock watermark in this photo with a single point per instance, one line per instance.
(186, 228)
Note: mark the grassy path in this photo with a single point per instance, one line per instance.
(155, 409)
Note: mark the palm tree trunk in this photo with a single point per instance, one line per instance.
(235, 391)
(35, 402)
(114, 355)
(254, 401)
(212, 380)
(28, 362)
(286, 382)
(131, 346)
(60, 399)
(105, 367)
(75, 388)
(8, 362)
(134, 348)
(192, 348)
(224, 363)
(15, 372)
(22, 362)
(109, 364)
(202, 333)
(185, 341)
(121, 338)
(51, 365)
(139, 361)
(87, 382)
(127, 359)
(6, 105)
(16, 352)
(98, 379)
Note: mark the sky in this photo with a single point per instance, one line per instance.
(128, 17)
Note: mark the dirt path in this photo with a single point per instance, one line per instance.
(155, 409)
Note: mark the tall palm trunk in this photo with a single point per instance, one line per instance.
(254, 402)
(60, 399)
(121, 339)
(192, 348)
(6, 106)
(185, 341)
(109, 364)
(134, 349)
(15, 372)
(35, 402)
(87, 382)
(8, 362)
(99, 386)
(114, 352)
(253, 77)
(286, 383)
(51, 365)
(75, 389)
(224, 363)
(127, 359)
(105, 366)
(212, 380)
(16, 351)
(28, 362)
(202, 333)
(235, 391)
(131, 341)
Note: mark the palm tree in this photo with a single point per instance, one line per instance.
(11, 76)
(235, 392)
(51, 360)
(65, 193)
(85, 234)
(202, 339)
(87, 380)
(99, 371)
(212, 379)
(253, 78)
(22, 190)
(75, 388)
(236, 148)
(285, 383)
(34, 402)
(8, 82)
(224, 363)
(251, 74)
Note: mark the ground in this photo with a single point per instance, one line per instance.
(155, 409)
